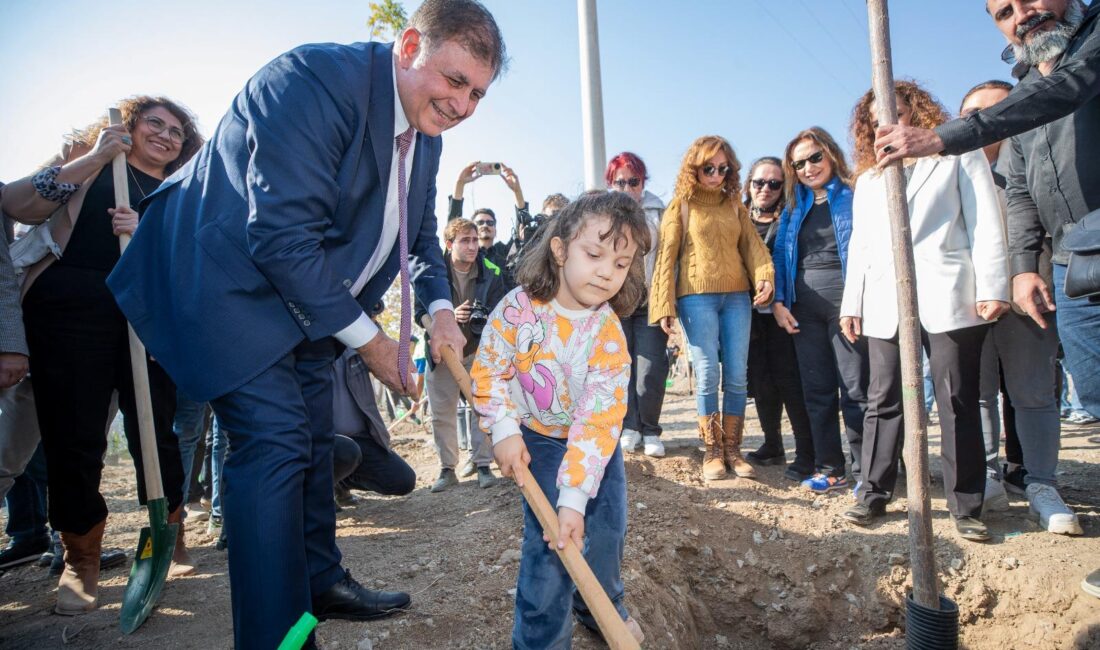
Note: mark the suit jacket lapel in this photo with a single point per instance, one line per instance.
(380, 115)
(921, 171)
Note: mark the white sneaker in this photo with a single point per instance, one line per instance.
(996, 499)
(1053, 513)
(195, 512)
(629, 440)
(653, 446)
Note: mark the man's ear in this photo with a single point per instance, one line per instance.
(408, 47)
(557, 247)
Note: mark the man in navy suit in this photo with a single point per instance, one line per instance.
(255, 261)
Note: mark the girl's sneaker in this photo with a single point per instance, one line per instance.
(822, 484)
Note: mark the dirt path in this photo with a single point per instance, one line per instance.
(732, 564)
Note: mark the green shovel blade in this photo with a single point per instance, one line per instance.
(150, 568)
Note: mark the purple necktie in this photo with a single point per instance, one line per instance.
(404, 141)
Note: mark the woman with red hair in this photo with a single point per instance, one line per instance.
(647, 343)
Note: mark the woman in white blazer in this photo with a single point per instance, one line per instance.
(962, 285)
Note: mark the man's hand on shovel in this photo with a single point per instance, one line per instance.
(380, 355)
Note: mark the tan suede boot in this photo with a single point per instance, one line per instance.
(78, 588)
(711, 433)
(182, 564)
(733, 430)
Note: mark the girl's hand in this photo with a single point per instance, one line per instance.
(511, 454)
(124, 221)
(784, 317)
(666, 325)
(570, 526)
(991, 310)
(764, 291)
(851, 327)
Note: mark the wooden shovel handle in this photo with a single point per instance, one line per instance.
(607, 617)
(150, 459)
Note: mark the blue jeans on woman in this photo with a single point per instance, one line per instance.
(717, 326)
(544, 591)
(1079, 329)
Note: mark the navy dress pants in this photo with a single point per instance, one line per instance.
(277, 493)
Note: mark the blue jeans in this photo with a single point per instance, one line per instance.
(217, 445)
(544, 590)
(717, 326)
(1079, 329)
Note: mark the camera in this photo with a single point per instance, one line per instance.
(479, 315)
(484, 169)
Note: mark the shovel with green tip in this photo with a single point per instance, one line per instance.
(158, 539)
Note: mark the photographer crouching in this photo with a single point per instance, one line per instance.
(477, 286)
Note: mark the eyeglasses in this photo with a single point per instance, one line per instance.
(159, 126)
(711, 170)
(485, 222)
(759, 184)
(622, 183)
(815, 159)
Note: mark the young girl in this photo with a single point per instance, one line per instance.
(549, 382)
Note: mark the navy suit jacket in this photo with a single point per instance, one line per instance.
(252, 247)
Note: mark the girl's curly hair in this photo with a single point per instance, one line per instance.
(700, 151)
(132, 109)
(926, 112)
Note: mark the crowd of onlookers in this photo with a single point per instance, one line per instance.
(779, 277)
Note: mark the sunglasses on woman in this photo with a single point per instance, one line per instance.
(815, 159)
(759, 184)
(711, 170)
(622, 183)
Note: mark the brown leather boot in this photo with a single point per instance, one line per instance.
(78, 588)
(711, 433)
(733, 430)
(182, 564)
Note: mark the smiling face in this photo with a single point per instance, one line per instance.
(592, 270)
(441, 86)
(813, 175)
(158, 138)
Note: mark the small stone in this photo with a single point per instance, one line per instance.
(640, 506)
(365, 644)
(750, 558)
(512, 592)
(509, 556)
(895, 559)
(721, 640)
(811, 569)
(774, 535)
(1010, 562)
(852, 598)
(740, 563)
(757, 538)
(430, 622)
(957, 563)
(694, 532)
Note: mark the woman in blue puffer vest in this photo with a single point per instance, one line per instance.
(810, 254)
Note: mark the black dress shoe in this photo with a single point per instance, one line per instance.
(349, 600)
(23, 552)
(972, 529)
(862, 514)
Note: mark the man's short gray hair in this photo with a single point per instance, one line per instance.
(466, 22)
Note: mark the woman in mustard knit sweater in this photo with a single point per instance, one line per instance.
(710, 259)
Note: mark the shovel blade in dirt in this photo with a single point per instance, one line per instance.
(150, 568)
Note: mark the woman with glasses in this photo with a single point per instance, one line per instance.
(811, 249)
(962, 285)
(709, 264)
(648, 344)
(77, 335)
(774, 381)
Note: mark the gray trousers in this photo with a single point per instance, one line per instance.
(19, 434)
(1025, 354)
(443, 394)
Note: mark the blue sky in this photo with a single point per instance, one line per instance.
(753, 71)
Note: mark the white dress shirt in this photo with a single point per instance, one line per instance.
(363, 329)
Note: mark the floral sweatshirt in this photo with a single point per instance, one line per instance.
(562, 373)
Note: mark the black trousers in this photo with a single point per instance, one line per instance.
(828, 363)
(955, 359)
(648, 347)
(775, 383)
(80, 355)
(360, 463)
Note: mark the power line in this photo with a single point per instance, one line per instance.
(851, 12)
(828, 32)
(798, 41)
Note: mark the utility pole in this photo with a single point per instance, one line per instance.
(595, 151)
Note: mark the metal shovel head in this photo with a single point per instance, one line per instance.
(150, 568)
